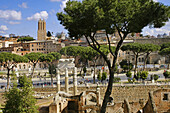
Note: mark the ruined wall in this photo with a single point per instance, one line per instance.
(150, 105)
(119, 93)
(161, 104)
(126, 106)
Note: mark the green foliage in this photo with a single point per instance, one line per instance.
(129, 80)
(166, 74)
(104, 76)
(84, 18)
(33, 57)
(13, 76)
(129, 74)
(20, 100)
(134, 47)
(116, 68)
(11, 60)
(165, 49)
(116, 79)
(133, 80)
(165, 52)
(84, 69)
(49, 34)
(13, 99)
(50, 57)
(105, 49)
(125, 65)
(25, 39)
(144, 75)
(165, 45)
(88, 53)
(106, 15)
(56, 55)
(138, 75)
(24, 81)
(151, 48)
(52, 69)
(156, 77)
(99, 77)
(71, 51)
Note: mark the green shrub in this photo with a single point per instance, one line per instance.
(138, 75)
(144, 75)
(129, 80)
(129, 74)
(99, 76)
(133, 80)
(166, 74)
(104, 76)
(155, 77)
(84, 70)
(116, 79)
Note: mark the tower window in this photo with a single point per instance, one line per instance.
(165, 96)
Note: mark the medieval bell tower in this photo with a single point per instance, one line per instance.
(41, 33)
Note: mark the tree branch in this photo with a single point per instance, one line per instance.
(109, 44)
(119, 32)
(98, 50)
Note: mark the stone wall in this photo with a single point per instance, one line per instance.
(119, 93)
(162, 104)
(158, 41)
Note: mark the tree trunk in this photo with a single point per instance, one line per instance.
(108, 91)
(136, 63)
(32, 74)
(111, 77)
(51, 80)
(8, 70)
(145, 61)
(94, 78)
(168, 63)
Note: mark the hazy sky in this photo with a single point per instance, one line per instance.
(20, 17)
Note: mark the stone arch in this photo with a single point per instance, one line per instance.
(94, 98)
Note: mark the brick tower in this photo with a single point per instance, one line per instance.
(41, 33)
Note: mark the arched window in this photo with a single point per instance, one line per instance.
(142, 59)
(19, 66)
(24, 66)
(139, 59)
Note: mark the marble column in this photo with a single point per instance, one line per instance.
(75, 81)
(98, 95)
(66, 81)
(58, 79)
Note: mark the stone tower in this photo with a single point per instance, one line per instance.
(41, 33)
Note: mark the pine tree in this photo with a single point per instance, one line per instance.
(20, 100)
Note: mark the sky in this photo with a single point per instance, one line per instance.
(20, 17)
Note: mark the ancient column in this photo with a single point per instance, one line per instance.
(66, 81)
(75, 81)
(58, 79)
(98, 95)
